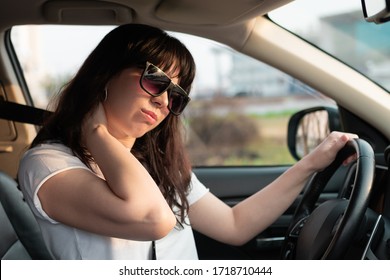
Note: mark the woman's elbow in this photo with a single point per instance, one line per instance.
(236, 241)
(160, 224)
(143, 221)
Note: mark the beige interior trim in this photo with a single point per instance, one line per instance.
(313, 67)
(86, 12)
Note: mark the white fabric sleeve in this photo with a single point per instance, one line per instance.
(197, 190)
(40, 164)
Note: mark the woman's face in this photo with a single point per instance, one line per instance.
(131, 112)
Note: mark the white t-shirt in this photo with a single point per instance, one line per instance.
(65, 242)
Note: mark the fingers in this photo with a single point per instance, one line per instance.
(347, 136)
(350, 159)
(337, 140)
(98, 116)
(342, 139)
(94, 119)
(326, 152)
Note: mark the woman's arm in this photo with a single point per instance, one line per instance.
(127, 205)
(239, 224)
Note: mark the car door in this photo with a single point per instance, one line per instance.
(232, 185)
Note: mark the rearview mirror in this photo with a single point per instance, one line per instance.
(308, 128)
(377, 11)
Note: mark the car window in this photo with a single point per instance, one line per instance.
(239, 110)
(339, 28)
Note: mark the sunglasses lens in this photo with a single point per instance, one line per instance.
(154, 81)
(178, 100)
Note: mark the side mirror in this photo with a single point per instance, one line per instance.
(377, 11)
(308, 128)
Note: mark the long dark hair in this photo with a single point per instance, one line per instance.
(161, 150)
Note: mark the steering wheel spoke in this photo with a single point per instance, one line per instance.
(296, 230)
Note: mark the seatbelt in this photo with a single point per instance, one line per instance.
(154, 255)
(22, 113)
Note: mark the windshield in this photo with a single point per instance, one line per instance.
(338, 28)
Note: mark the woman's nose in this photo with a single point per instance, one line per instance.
(161, 101)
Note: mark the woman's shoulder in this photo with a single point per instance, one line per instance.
(49, 156)
(49, 148)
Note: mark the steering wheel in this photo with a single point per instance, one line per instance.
(327, 231)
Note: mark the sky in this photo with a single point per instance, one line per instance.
(308, 11)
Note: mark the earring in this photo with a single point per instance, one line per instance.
(105, 95)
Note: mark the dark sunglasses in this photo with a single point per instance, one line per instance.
(155, 82)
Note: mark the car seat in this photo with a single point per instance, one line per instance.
(20, 233)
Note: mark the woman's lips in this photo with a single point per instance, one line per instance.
(151, 116)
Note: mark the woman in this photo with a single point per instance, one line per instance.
(107, 176)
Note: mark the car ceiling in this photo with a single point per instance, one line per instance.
(213, 19)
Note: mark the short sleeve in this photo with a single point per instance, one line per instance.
(197, 190)
(38, 165)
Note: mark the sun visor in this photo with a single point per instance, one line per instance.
(86, 12)
(194, 12)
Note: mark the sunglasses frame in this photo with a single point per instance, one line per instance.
(168, 89)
